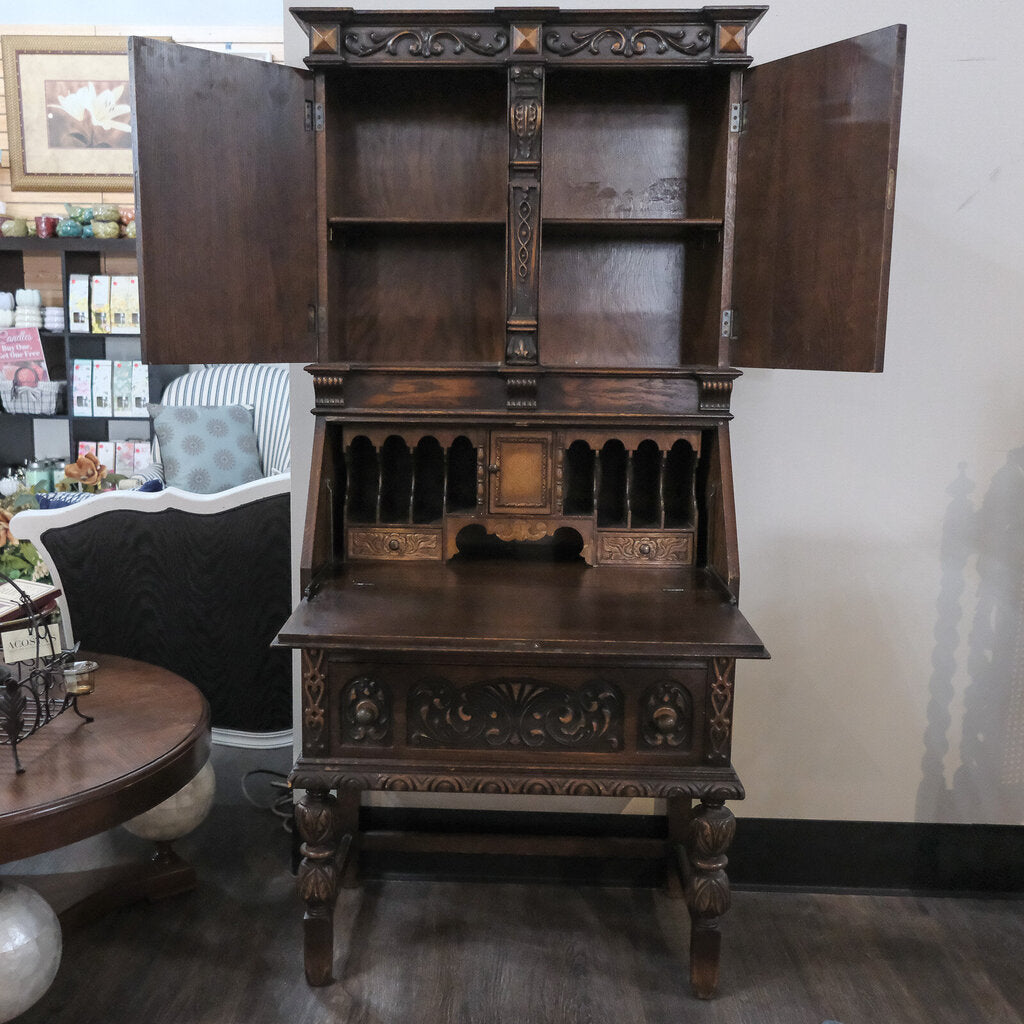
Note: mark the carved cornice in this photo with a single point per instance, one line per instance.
(328, 388)
(715, 393)
(425, 43)
(627, 41)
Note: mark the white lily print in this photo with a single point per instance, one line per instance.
(103, 108)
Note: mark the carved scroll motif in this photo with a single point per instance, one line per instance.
(425, 43)
(666, 717)
(654, 548)
(513, 713)
(314, 689)
(365, 712)
(405, 544)
(573, 783)
(631, 42)
(720, 718)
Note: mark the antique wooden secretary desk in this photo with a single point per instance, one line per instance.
(524, 249)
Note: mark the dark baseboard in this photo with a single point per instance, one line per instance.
(767, 852)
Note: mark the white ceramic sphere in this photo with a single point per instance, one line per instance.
(179, 814)
(30, 948)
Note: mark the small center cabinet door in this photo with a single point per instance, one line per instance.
(520, 470)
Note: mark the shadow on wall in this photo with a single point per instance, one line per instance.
(988, 785)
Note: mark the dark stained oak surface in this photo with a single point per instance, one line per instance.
(523, 608)
(149, 737)
(816, 176)
(227, 237)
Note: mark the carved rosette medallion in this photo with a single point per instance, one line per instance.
(366, 713)
(687, 41)
(425, 43)
(314, 693)
(720, 716)
(666, 717)
(515, 713)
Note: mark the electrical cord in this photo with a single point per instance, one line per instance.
(281, 806)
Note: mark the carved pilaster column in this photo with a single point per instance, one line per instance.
(526, 108)
(314, 701)
(316, 820)
(711, 830)
(719, 718)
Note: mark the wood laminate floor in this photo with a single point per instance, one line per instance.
(422, 952)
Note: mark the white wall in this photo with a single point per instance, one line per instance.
(881, 517)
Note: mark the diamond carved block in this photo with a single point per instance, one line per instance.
(526, 38)
(324, 39)
(732, 38)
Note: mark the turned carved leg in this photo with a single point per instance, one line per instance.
(317, 822)
(711, 830)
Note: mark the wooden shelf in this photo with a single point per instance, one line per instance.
(400, 224)
(627, 227)
(54, 246)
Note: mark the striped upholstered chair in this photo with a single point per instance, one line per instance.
(196, 583)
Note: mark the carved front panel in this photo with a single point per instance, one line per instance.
(520, 470)
(515, 714)
(403, 545)
(645, 548)
(487, 715)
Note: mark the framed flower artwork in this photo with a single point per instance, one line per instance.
(68, 113)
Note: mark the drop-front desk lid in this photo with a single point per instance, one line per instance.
(508, 607)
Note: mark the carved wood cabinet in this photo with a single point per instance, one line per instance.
(524, 250)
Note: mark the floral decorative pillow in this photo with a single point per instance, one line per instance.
(206, 448)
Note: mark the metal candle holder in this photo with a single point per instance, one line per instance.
(34, 692)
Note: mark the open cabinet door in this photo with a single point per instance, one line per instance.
(816, 179)
(226, 206)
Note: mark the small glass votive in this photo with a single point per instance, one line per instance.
(79, 678)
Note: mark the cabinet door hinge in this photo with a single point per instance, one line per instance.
(737, 117)
(314, 116)
(728, 323)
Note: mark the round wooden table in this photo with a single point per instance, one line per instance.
(149, 736)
